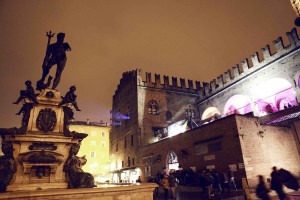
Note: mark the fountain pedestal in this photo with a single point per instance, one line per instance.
(41, 147)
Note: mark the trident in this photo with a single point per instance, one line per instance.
(49, 35)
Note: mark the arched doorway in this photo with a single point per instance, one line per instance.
(172, 161)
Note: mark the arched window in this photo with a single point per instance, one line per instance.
(172, 161)
(152, 107)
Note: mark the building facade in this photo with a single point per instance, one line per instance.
(95, 147)
(245, 119)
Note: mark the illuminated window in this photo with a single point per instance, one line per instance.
(152, 107)
(93, 154)
(103, 134)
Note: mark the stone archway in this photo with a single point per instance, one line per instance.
(210, 113)
(237, 104)
(275, 94)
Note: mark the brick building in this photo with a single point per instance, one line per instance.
(245, 119)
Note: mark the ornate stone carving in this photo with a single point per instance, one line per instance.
(41, 157)
(75, 176)
(8, 166)
(42, 146)
(46, 120)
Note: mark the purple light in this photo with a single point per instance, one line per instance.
(237, 104)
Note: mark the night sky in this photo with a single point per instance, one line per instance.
(191, 39)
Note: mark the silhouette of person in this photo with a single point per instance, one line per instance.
(56, 54)
(231, 179)
(261, 189)
(70, 97)
(28, 93)
(276, 184)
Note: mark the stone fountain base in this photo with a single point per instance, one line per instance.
(128, 192)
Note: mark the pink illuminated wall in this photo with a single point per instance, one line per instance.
(237, 104)
(274, 95)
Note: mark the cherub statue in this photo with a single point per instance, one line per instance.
(70, 97)
(28, 93)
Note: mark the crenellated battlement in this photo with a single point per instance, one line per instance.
(173, 83)
(127, 77)
(166, 83)
(239, 71)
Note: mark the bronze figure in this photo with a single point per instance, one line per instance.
(8, 166)
(28, 93)
(75, 176)
(70, 97)
(55, 55)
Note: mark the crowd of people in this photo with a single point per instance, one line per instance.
(210, 181)
(279, 178)
(219, 181)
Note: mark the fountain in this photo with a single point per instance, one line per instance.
(40, 158)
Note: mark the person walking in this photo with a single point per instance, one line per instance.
(216, 184)
(261, 189)
(224, 181)
(231, 179)
(166, 186)
(276, 184)
(172, 184)
(209, 183)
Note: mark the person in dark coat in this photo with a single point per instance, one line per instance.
(288, 179)
(209, 179)
(216, 183)
(276, 184)
(261, 189)
(172, 184)
(202, 181)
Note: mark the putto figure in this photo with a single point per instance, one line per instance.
(55, 54)
(28, 93)
(70, 97)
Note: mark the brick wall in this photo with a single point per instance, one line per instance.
(266, 146)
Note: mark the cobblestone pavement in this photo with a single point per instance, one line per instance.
(195, 193)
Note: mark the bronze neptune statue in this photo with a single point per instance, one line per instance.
(55, 55)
